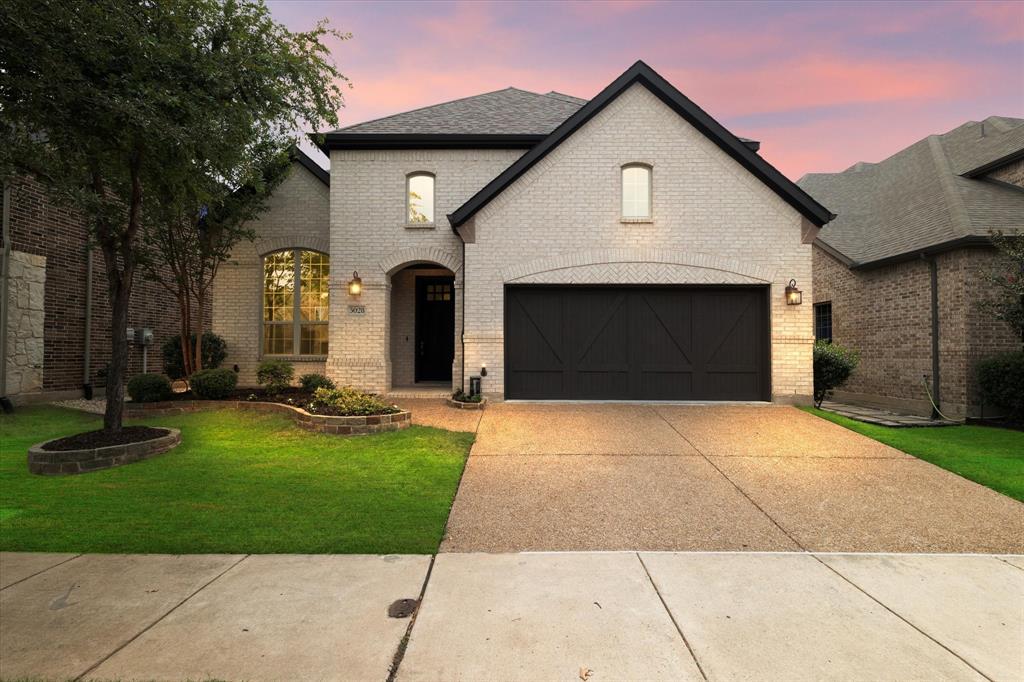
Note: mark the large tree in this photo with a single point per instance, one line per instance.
(109, 102)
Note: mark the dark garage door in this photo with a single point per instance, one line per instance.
(636, 343)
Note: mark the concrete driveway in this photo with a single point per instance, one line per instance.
(554, 477)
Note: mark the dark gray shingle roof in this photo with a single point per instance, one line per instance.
(917, 198)
(505, 112)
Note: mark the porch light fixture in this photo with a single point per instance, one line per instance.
(355, 285)
(793, 295)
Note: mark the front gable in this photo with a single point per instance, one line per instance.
(642, 75)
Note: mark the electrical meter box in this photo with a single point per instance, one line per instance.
(144, 336)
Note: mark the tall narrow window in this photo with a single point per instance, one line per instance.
(636, 192)
(823, 321)
(420, 199)
(295, 303)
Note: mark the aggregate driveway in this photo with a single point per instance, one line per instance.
(585, 477)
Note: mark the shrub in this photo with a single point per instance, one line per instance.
(275, 375)
(461, 396)
(1001, 380)
(149, 388)
(348, 402)
(313, 381)
(833, 365)
(213, 384)
(214, 352)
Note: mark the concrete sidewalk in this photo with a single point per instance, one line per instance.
(567, 616)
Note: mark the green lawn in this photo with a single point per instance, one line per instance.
(239, 482)
(990, 456)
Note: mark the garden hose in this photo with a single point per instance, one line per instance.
(924, 380)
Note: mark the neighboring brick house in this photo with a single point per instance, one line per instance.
(47, 294)
(927, 211)
(628, 247)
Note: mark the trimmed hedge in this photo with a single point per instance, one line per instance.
(311, 382)
(348, 402)
(1001, 381)
(833, 365)
(149, 388)
(275, 375)
(213, 384)
(214, 352)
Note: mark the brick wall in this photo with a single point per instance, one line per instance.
(368, 233)
(1012, 173)
(296, 217)
(885, 314)
(713, 222)
(41, 228)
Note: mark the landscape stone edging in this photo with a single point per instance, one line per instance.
(63, 462)
(342, 426)
(462, 405)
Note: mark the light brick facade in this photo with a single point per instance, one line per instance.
(713, 222)
(296, 218)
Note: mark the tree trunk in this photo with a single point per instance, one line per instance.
(119, 295)
(185, 330)
(200, 302)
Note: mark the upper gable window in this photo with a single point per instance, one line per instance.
(420, 199)
(636, 192)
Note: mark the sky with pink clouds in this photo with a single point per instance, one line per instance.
(821, 84)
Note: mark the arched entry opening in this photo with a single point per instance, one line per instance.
(423, 326)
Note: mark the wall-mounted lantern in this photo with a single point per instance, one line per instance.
(793, 295)
(355, 285)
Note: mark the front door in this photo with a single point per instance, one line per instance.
(435, 328)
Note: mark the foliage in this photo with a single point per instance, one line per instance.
(311, 382)
(1001, 380)
(275, 375)
(348, 401)
(213, 384)
(214, 351)
(127, 110)
(833, 365)
(149, 388)
(463, 397)
(993, 457)
(1007, 280)
(240, 482)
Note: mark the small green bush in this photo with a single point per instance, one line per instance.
(275, 375)
(149, 388)
(214, 352)
(213, 384)
(833, 365)
(1001, 380)
(311, 382)
(348, 402)
(463, 397)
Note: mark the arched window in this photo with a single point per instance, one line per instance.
(295, 324)
(419, 198)
(636, 191)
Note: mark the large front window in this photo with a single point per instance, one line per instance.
(295, 324)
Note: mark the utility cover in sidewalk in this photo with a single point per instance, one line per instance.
(402, 608)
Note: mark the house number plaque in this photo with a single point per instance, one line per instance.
(357, 310)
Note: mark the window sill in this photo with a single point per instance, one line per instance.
(636, 221)
(420, 226)
(294, 358)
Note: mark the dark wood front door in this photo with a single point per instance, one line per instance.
(435, 328)
(636, 343)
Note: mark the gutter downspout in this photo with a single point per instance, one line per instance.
(462, 330)
(86, 355)
(936, 383)
(5, 265)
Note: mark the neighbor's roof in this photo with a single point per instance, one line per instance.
(925, 196)
(743, 151)
(510, 118)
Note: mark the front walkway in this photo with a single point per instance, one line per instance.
(569, 616)
(558, 476)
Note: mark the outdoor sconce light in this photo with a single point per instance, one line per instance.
(355, 285)
(793, 295)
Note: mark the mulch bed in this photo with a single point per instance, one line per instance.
(293, 396)
(101, 439)
(1012, 424)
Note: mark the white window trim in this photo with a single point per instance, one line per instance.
(649, 218)
(433, 222)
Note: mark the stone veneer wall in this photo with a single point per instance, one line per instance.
(713, 222)
(26, 318)
(296, 217)
(885, 314)
(368, 234)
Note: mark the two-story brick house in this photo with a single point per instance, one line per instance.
(626, 247)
